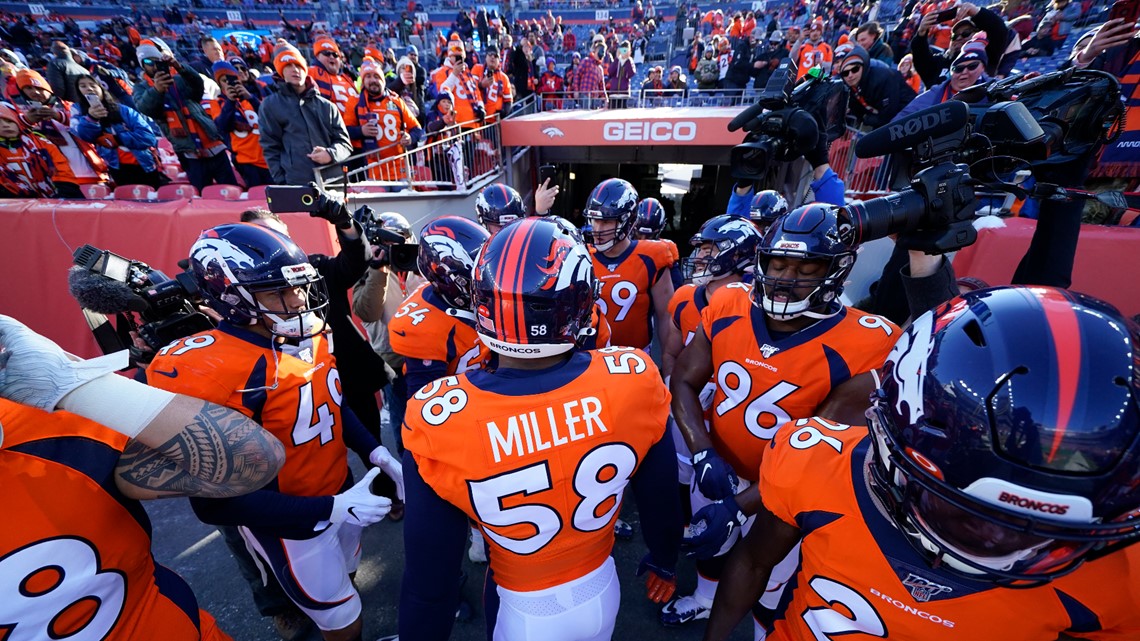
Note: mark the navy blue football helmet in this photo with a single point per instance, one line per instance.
(613, 199)
(1007, 433)
(534, 289)
(734, 242)
(811, 232)
(233, 263)
(448, 247)
(499, 205)
(650, 219)
(766, 207)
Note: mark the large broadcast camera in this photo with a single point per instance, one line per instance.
(1049, 126)
(786, 121)
(144, 301)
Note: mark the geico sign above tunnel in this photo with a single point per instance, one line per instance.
(644, 131)
(628, 127)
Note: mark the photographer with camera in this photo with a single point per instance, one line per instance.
(171, 94)
(968, 21)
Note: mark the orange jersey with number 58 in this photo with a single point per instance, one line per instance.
(540, 462)
(293, 391)
(626, 282)
(764, 382)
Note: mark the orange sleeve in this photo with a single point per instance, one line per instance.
(350, 117)
(24, 424)
(807, 458)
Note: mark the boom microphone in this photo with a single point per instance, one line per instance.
(933, 122)
(102, 295)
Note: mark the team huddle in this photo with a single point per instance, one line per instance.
(831, 473)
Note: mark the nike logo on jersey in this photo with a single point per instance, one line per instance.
(352, 513)
(398, 332)
(172, 373)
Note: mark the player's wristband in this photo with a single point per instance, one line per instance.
(117, 402)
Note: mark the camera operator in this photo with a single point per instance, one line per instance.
(171, 94)
(376, 300)
(969, 21)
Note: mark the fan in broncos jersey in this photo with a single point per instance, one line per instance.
(776, 348)
(433, 338)
(270, 359)
(634, 293)
(538, 453)
(989, 498)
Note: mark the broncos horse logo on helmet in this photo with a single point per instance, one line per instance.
(724, 245)
(448, 247)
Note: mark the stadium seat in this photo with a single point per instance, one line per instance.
(256, 193)
(174, 191)
(221, 192)
(134, 192)
(95, 191)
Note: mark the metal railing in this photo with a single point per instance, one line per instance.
(863, 177)
(457, 159)
(636, 97)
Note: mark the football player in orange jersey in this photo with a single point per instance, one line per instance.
(633, 292)
(434, 330)
(75, 557)
(328, 72)
(988, 498)
(724, 250)
(776, 349)
(538, 453)
(269, 358)
(379, 121)
(648, 225)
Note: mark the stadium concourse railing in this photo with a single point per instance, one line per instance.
(863, 178)
(460, 158)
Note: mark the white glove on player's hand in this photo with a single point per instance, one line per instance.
(383, 459)
(358, 505)
(35, 371)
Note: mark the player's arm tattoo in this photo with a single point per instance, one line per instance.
(222, 453)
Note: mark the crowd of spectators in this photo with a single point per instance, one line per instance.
(144, 101)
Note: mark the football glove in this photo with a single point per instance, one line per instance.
(715, 477)
(358, 506)
(383, 459)
(661, 583)
(35, 371)
(711, 528)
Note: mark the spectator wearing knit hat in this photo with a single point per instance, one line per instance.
(300, 129)
(381, 124)
(235, 114)
(968, 69)
(970, 21)
(328, 72)
(171, 94)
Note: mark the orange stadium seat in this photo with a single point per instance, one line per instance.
(221, 192)
(177, 190)
(256, 193)
(134, 192)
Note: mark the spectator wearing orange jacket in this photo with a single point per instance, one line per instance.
(77, 162)
(380, 121)
(469, 108)
(25, 162)
(328, 72)
(495, 85)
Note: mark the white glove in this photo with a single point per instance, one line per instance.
(383, 459)
(358, 505)
(35, 371)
